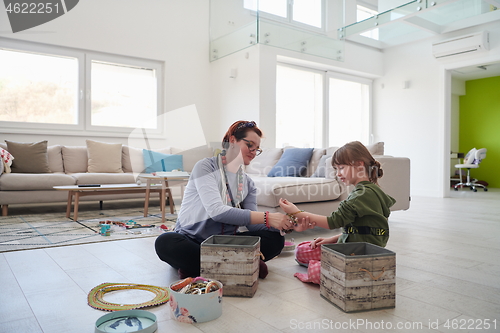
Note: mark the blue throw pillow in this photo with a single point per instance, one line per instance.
(293, 163)
(159, 162)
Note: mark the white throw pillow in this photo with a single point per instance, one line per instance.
(104, 157)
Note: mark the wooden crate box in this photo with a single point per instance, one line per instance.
(234, 261)
(358, 276)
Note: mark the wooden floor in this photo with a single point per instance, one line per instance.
(448, 280)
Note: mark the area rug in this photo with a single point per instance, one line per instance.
(27, 232)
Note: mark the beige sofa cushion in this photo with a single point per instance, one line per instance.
(55, 158)
(75, 158)
(29, 157)
(54, 155)
(318, 153)
(103, 178)
(191, 156)
(262, 164)
(376, 148)
(33, 181)
(330, 172)
(331, 150)
(321, 169)
(294, 189)
(104, 157)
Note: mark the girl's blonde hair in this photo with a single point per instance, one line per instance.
(355, 151)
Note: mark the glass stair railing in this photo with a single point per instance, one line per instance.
(234, 27)
(294, 39)
(420, 19)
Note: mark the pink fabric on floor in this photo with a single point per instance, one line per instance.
(304, 253)
(313, 273)
(312, 257)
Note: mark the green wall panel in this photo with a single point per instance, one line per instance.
(480, 126)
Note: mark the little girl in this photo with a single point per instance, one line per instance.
(363, 215)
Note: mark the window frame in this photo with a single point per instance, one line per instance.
(289, 21)
(125, 61)
(24, 127)
(84, 59)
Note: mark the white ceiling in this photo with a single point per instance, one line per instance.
(477, 72)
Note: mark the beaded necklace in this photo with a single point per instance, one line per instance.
(239, 176)
(239, 192)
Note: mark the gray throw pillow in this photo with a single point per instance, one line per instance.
(321, 169)
(29, 157)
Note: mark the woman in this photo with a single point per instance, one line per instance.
(218, 200)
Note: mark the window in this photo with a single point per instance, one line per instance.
(299, 107)
(51, 88)
(348, 109)
(308, 12)
(297, 12)
(321, 109)
(274, 7)
(122, 96)
(38, 88)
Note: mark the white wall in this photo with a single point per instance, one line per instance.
(457, 90)
(415, 122)
(235, 98)
(175, 32)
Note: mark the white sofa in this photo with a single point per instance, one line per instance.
(69, 165)
(323, 194)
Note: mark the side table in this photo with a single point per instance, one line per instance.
(163, 178)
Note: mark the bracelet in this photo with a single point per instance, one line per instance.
(300, 211)
(266, 219)
(293, 219)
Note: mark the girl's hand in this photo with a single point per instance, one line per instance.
(287, 206)
(320, 240)
(304, 224)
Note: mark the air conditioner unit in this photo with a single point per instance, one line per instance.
(471, 43)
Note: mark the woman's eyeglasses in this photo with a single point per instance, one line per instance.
(251, 147)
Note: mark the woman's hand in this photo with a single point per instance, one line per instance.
(287, 206)
(279, 221)
(304, 224)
